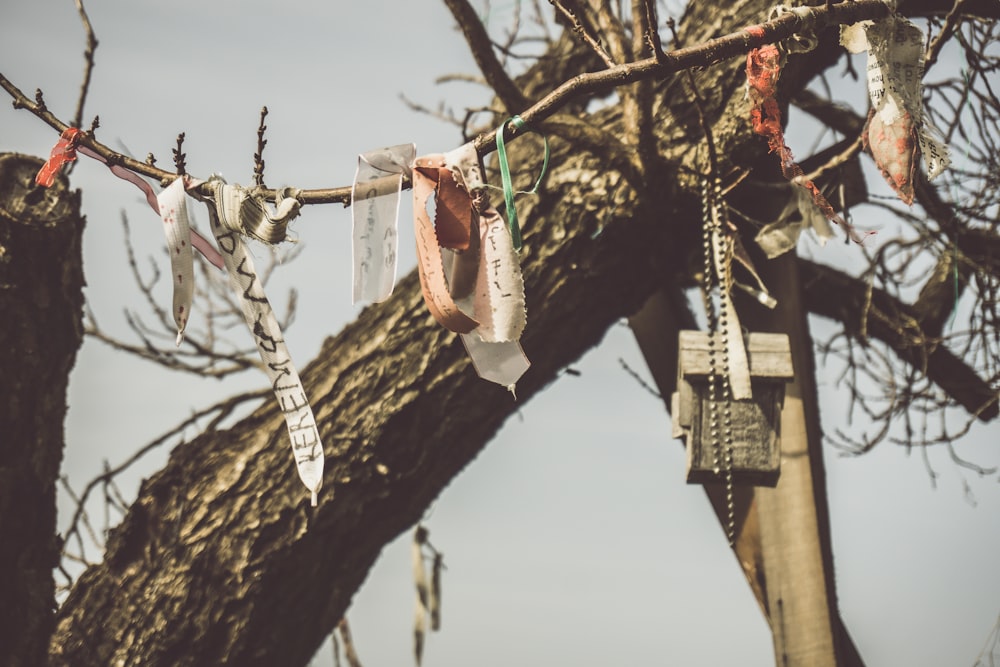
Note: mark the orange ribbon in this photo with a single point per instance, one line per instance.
(452, 228)
(64, 151)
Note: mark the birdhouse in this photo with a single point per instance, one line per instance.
(756, 432)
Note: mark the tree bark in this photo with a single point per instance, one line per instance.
(41, 298)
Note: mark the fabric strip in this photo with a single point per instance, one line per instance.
(64, 151)
(375, 196)
(307, 448)
(172, 203)
(433, 282)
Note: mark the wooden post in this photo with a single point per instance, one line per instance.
(782, 534)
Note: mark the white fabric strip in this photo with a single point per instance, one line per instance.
(739, 365)
(172, 203)
(502, 363)
(227, 227)
(464, 164)
(499, 301)
(378, 182)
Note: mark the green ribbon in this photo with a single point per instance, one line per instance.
(508, 188)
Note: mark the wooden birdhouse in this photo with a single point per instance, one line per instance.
(756, 433)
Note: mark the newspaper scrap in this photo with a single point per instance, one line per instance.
(897, 129)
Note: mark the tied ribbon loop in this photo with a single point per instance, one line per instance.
(227, 212)
(508, 189)
(428, 172)
(469, 272)
(64, 151)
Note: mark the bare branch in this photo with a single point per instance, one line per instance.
(579, 87)
(218, 413)
(950, 22)
(836, 295)
(203, 352)
(258, 157)
(576, 17)
(482, 50)
(88, 62)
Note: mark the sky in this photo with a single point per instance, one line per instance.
(572, 539)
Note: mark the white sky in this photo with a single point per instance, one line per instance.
(573, 539)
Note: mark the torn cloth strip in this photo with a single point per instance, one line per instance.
(454, 275)
(722, 249)
(172, 203)
(375, 195)
(64, 151)
(227, 202)
(896, 127)
(428, 173)
(799, 213)
(498, 304)
(496, 300)
(485, 279)
(763, 69)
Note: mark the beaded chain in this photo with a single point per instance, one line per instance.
(718, 260)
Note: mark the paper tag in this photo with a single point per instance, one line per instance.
(375, 194)
(172, 203)
(227, 227)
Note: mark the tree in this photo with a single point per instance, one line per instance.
(239, 577)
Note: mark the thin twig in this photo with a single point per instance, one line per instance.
(180, 157)
(88, 62)
(635, 376)
(258, 157)
(652, 34)
(503, 85)
(950, 22)
(349, 651)
(587, 35)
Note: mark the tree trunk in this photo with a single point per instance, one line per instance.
(221, 560)
(41, 282)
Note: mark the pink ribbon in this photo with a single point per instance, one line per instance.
(199, 242)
